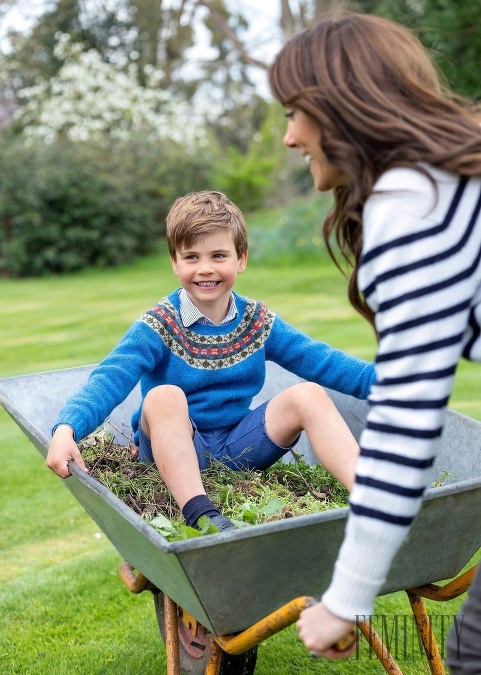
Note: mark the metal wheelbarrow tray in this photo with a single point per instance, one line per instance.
(231, 580)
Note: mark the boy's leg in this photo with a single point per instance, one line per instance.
(165, 420)
(306, 406)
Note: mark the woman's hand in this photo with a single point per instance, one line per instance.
(62, 449)
(320, 631)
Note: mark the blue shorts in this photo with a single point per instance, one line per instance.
(242, 447)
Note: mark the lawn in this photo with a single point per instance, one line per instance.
(63, 609)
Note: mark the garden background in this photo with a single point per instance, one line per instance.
(103, 126)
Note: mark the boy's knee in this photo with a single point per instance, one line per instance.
(304, 397)
(163, 398)
(310, 393)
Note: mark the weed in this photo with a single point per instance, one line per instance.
(247, 497)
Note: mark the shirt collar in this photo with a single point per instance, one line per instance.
(190, 313)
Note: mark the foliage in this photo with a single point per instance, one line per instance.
(236, 120)
(453, 32)
(289, 176)
(296, 233)
(449, 28)
(244, 179)
(178, 531)
(65, 205)
(89, 99)
(126, 32)
(136, 38)
(265, 172)
(246, 497)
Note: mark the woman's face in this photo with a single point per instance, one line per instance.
(303, 133)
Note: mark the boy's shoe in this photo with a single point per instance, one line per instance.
(222, 522)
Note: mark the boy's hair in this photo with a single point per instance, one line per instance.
(198, 214)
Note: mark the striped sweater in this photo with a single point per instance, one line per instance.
(421, 276)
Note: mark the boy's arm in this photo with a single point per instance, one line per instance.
(137, 353)
(62, 449)
(318, 362)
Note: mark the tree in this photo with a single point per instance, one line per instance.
(449, 28)
(452, 30)
(160, 34)
(89, 99)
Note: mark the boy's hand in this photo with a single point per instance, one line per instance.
(320, 631)
(62, 449)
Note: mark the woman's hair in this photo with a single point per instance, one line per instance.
(199, 214)
(379, 102)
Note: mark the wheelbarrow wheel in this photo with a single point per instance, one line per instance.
(194, 648)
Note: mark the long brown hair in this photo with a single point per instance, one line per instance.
(380, 103)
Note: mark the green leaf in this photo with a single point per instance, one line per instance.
(240, 523)
(174, 531)
(206, 526)
(272, 507)
(184, 531)
(249, 512)
(163, 525)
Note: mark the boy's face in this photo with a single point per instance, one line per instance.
(209, 268)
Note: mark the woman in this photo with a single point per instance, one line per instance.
(366, 108)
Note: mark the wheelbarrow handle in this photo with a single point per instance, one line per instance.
(278, 620)
(136, 583)
(345, 642)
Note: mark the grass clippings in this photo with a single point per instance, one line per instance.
(284, 490)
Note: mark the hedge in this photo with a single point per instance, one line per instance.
(68, 205)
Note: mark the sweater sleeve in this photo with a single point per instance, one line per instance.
(417, 253)
(318, 362)
(112, 380)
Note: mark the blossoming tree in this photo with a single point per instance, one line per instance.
(90, 99)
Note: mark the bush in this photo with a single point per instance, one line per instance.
(296, 233)
(69, 205)
(245, 179)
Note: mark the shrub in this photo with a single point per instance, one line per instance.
(245, 179)
(65, 205)
(296, 233)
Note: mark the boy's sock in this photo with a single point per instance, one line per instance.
(202, 506)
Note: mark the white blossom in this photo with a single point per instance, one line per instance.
(90, 99)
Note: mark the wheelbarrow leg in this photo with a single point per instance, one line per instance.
(213, 665)
(452, 590)
(426, 634)
(379, 648)
(171, 637)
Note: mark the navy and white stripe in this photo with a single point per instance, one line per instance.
(420, 274)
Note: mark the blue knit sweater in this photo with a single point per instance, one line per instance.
(219, 368)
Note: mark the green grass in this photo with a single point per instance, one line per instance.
(63, 609)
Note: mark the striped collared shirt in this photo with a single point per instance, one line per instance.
(191, 314)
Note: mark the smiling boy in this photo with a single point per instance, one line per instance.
(200, 357)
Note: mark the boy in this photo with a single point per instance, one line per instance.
(200, 355)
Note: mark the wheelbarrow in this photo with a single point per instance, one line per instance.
(217, 597)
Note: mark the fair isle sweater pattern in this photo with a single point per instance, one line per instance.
(211, 352)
